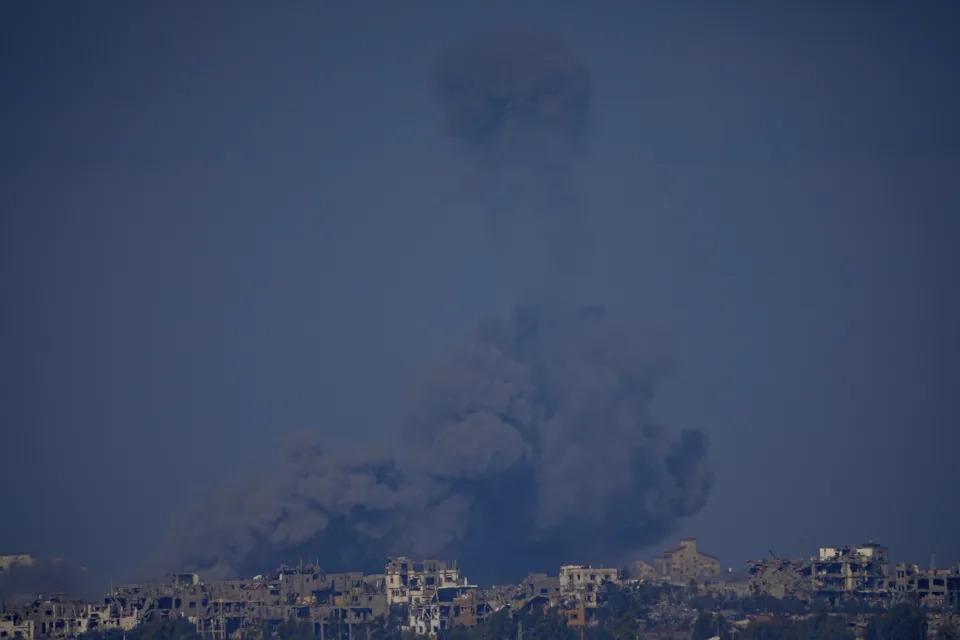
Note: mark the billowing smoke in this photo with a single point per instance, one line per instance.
(532, 443)
(517, 104)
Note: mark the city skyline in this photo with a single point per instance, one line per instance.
(249, 258)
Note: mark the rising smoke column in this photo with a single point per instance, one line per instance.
(532, 443)
(517, 104)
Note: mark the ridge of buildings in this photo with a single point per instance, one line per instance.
(432, 595)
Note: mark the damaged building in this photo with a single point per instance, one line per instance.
(779, 578)
(219, 609)
(14, 625)
(542, 586)
(854, 572)
(938, 588)
(53, 617)
(409, 582)
(579, 588)
(449, 606)
(432, 596)
(838, 572)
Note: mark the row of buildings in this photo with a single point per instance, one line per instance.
(834, 574)
(430, 596)
(855, 572)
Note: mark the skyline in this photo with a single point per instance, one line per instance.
(223, 228)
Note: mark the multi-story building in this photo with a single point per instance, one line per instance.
(541, 586)
(581, 583)
(13, 625)
(412, 582)
(929, 587)
(463, 605)
(685, 562)
(862, 570)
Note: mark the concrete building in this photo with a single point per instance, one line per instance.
(928, 587)
(862, 570)
(540, 585)
(461, 605)
(644, 571)
(13, 625)
(581, 583)
(685, 562)
(779, 578)
(413, 582)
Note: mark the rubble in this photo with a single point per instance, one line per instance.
(429, 597)
(779, 578)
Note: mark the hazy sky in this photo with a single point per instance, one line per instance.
(223, 223)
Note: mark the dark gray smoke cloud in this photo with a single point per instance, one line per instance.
(517, 103)
(532, 444)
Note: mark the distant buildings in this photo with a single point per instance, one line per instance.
(430, 597)
(779, 578)
(861, 572)
(863, 569)
(929, 587)
(413, 582)
(684, 563)
(581, 583)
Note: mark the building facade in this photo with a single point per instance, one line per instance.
(685, 562)
(864, 570)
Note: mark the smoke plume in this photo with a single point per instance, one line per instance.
(517, 104)
(529, 445)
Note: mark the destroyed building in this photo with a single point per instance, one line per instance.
(779, 578)
(579, 589)
(432, 596)
(928, 587)
(541, 585)
(448, 606)
(409, 582)
(14, 625)
(863, 571)
(53, 617)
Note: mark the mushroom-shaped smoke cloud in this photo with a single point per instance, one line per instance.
(517, 104)
(532, 443)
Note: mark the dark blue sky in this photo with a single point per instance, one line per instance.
(220, 226)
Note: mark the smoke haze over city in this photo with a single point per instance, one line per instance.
(532, 443)
(552, 279)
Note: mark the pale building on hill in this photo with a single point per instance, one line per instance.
(684, 562)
